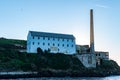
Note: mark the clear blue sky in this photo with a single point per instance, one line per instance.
(17, 17)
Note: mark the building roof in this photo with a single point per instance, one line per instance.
(55, 35)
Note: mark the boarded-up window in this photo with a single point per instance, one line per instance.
(89, 59)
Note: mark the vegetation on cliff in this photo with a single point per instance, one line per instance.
(14, 61)
(48, 64)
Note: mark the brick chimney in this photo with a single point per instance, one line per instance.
(91, 33)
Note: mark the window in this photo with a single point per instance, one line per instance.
(58, 39)
(67, 40)
(99, 54)
(53, 39)
(38, 37)
(63, 40)
(43, 44)
(48, 44)
(33, 37)
(72, 40)
(33, 43)
(43, 38)
(38, 43)
(63, 45)
(48, 38)
(72, 46)
(67, 45)
(89, 59)
(96, 54)
(58, 50)
(58, 45)
(53, 44)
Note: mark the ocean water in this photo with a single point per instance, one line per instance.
(69, 78)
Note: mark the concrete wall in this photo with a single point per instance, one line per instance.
(102, 55)
(88, 59)
(82, 48)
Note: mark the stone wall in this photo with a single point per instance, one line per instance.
(87, 59)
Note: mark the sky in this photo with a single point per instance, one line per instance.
(17, 17)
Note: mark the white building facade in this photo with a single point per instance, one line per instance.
(56, 43)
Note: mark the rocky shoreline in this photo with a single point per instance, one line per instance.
(56, 73)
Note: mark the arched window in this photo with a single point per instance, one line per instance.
(48, 44)
(43, 38)
(72, 45)
(58, 39)
(43, 44)
(72, 40)
(67, 40)
(67, 45)
(89, 59)
(33, 37)
(63, 45)
(33, 43)
(48, 38)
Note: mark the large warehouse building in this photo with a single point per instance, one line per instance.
(56, 43)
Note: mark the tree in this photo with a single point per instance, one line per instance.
(39, 50)
(47, 51)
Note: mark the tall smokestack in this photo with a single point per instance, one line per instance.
(91, 32)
